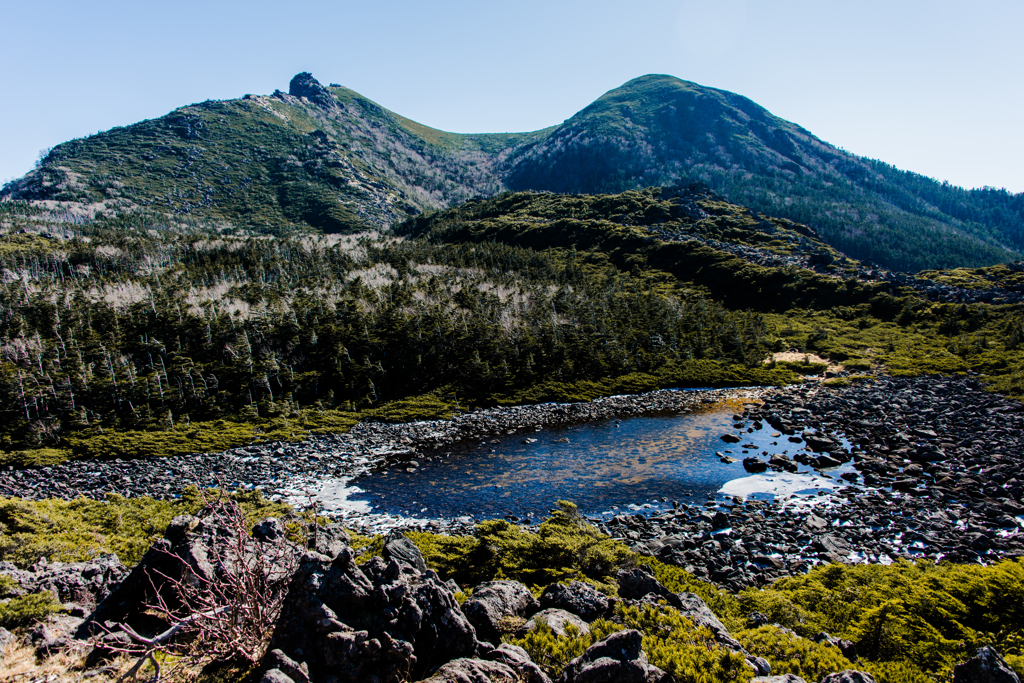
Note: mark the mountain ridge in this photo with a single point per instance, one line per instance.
(326, 157)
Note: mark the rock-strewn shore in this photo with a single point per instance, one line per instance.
(936, 475)
(289, 470)
(938, 462)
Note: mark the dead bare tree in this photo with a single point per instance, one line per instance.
(224, 617)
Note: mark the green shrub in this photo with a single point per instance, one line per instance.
(8, 586)
(36, 457)
(80, 529)
(550, 651)
(792, 654)
(27, 609)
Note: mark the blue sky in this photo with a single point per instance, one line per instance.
(933, 87)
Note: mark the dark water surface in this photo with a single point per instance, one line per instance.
(606, 467)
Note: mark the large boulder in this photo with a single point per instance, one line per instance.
(384, 621)
(517, 658)
(558, 620)
(494, 600)
(474, 671)
(639, 583)
(617, 658)
(985, 667)
(579, 598)
(696, 610)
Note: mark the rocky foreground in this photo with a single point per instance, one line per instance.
(306, 612)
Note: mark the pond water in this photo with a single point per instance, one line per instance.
(605, 467)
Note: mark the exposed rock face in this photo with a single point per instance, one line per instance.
(784, 678)
(638, 583)
(383, 621)
(195, 551)
(617, 658)
(985, 667)
(304, 85)
(82, 583)
(579, 598)
(494, 600)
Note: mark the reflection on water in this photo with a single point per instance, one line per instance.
(601, 466)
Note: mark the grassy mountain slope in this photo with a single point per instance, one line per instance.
(659, 130)
(329, 158)
(326, 158)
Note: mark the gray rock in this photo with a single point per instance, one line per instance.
(6, 638)
(519, 661)
(696, 610)
(985, 667)
(637, 583)
(558, 620)
(404, 551)
(617, 658)
(275, 676)
(474, 671)
(848, 648)
(83, 583)
(382, 621)
(493, 600)
(54, 635)
(784, 678)
(579, 598)
(848, 676)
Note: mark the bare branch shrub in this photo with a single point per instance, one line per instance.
(224, 618)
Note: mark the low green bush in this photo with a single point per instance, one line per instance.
(80, 529)
(790, 654)
(25, 610)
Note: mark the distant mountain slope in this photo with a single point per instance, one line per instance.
(323, 157)
(659, 130)
(332, 159)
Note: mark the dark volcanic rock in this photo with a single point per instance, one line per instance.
(579, 598)
(474, 671)
(617, 658)
(985, 667)
(518, 660)
(404, 551)
(195, 551)
(495, 600)
(389, 623)
(83, 583)
(638, 583)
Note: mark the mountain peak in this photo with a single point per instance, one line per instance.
(304, 85)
